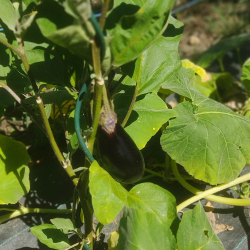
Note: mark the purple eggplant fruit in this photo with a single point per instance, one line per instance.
(118, 153)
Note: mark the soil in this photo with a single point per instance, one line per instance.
(210, 21)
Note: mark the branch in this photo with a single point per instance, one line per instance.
(24, 106)
(130, 107)
(208, 193)
(26, 210)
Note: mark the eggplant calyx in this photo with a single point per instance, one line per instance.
(108, 121)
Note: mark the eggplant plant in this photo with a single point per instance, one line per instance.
(104, 81)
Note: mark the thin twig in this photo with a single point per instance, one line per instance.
(130, 107)
(24, 106)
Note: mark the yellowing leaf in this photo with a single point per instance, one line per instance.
(67, 107)
(113, 241)
(198, 70)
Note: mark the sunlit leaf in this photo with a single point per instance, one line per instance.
(159, 62)
(141, 230)
(195, 232)
(155, 199)
(208, 139)
(51, 236)
(134, 29)
(8, 14)
(14, 171)
(108, 196)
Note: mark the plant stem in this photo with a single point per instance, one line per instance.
(26, 210)
(21, 53)
(153, 172)
(99, 82)
(117, 84)
(24, 106)
(222, 68)
(131, 106)
(208, 193)
(87, 209)
(105, 8)
(53, 143)
(13, 48)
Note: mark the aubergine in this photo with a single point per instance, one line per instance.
(118, 153)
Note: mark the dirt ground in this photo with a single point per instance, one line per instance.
(208, 22)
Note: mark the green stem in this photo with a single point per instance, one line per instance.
(117, 84)
(105, 8)
(239, 56)
(99, 82)
(208, 193)
(222, 68)
(87, 209)
(53, 143)
(21, 53)
(131, 106)
(26, 210)
(13, 48)
(153, 172)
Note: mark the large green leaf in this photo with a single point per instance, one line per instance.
(8, 14)
(218, 50)
(141, 230)
(208, 139)
(14, 171)
(152, 198)
(46, 67)
(74, 31)
(245, 78)
(134, 29)
(159, 62)
(65, 224)
(51, 236)
(108, 196)
(195, 232)
(152, 114)
(72, 37)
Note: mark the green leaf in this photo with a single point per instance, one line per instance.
(46, 67)
(159, 62)
(108, 196)
(51, 236)
(8, 14)
(134, 30)
(14, 171)
(195, 232)
(152, 114)
(245, 77)
(208, 139)
(72, 37)
(65, 224)
(152, 198)
(140, 230)
(218, 50)
(25, 23)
